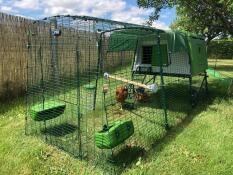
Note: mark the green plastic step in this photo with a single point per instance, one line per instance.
(47, 111)
(114, 135)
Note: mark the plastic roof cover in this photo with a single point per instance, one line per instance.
(126, 39)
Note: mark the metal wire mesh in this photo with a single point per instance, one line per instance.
(69, 100)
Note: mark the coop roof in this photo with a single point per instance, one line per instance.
(126, 39)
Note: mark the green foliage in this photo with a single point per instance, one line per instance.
(208, 17)
(158, 5)
(222, 49)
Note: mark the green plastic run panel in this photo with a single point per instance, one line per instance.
(114, 135)
(47, 111)
(199, 62)
(163, 53)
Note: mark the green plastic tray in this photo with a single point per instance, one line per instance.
(114, 135)
(50, 110)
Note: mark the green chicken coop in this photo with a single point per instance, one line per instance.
(181, 53)
(166, 53)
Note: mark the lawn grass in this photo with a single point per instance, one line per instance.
(198, 144)
(21, 154)
(223, 66)
(201, 144)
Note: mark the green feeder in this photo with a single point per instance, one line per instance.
(115, 134)
(47, 110)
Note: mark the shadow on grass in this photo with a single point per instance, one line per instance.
(177, 99)
(60, 130)
(6, 106)
(129, 155)
(174, 131)
(149, 123)
(216, 91)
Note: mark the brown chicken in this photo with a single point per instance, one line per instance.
(121, 94)
(141, 95)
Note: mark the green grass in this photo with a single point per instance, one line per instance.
(21, 154)
(223, 66)
(198, 144)
(201, 144)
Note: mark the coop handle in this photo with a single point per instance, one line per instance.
(151, 87)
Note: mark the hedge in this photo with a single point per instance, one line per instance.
(222, 49)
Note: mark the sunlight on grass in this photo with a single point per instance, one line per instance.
(200, 143)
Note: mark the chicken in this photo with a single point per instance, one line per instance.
(141, 95)
(121, 94)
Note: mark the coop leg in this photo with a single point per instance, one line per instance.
(154, 78)
(144, 78)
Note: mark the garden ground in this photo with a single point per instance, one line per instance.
(200, 144)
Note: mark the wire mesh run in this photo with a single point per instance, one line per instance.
(89, 94)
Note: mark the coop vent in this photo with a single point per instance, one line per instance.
(147, 54)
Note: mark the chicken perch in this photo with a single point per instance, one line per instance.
(152, 87)
(121, 95)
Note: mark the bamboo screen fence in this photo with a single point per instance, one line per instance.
(14, 53)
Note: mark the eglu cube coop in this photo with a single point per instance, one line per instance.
(103, 90)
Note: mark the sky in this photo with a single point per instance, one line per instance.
(120, 10)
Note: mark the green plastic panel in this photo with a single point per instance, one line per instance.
(122, 42)
(177, 41)
(46, 111)
(198, 54)
(163, 53)
(116, 134)
(126, 40)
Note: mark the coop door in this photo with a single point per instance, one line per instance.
(198, 55)
(163, 55)
(147, 54)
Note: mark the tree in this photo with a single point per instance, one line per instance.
(208, 17)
